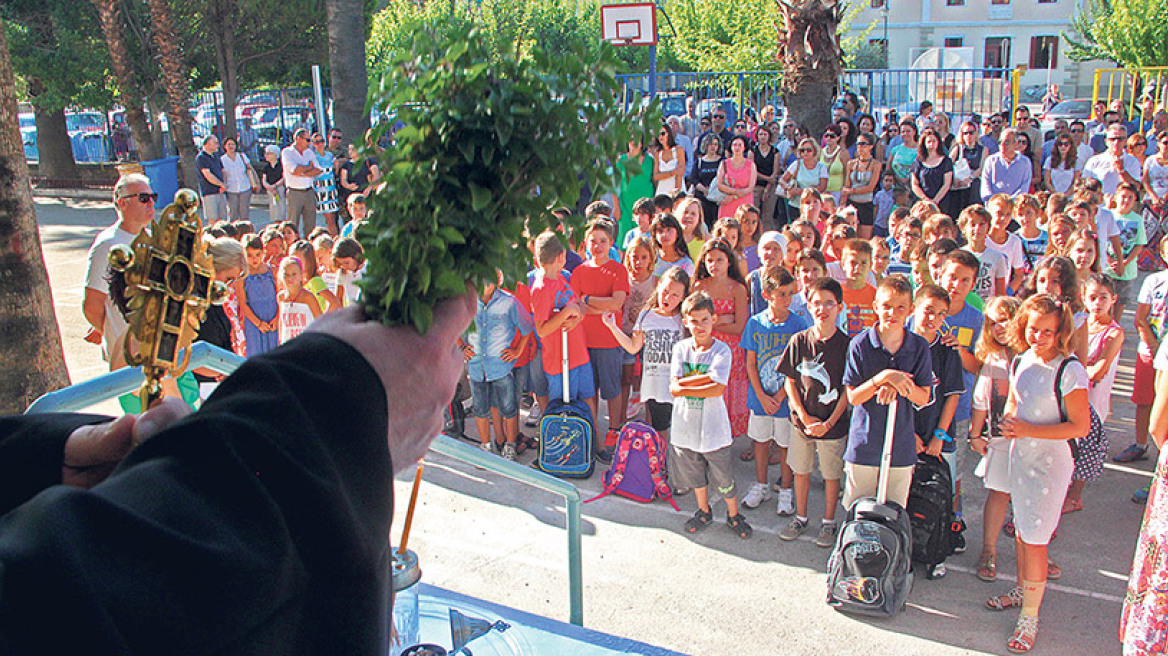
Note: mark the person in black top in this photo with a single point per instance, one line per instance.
(271, 172)
(764, 154)
(255, 526)
(356, 176)
(705, 169)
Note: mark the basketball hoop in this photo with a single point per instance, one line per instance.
(629, 24)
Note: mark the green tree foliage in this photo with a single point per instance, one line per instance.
(1130, 32)
(713, 37)
(57, 47)
(487, 135)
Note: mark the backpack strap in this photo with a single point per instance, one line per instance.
(1058, 385)
(616, 471)
(655, 450)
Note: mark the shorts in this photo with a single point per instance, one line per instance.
(697, 470)
(580, 383)
(606, 371)
(764, 428)
(801, 455)
(660, 415)
(494, 394)
(629, 358)
(214, 207)
(1123, 291)
(862, 480)
(1144, 385)
(531, 377)
(865, 212)
(956, 458)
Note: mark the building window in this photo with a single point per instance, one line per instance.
(997, 52)
(955, 3)
(1047, 2)
(1043, 52)
(954, 41)
(999, 2)
(877, 4)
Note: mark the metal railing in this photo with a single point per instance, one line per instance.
(1133, 86)
(958, 92)
(203, 355)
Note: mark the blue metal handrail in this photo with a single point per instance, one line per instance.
(206, 356)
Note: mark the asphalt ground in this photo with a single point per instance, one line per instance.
(711, 593)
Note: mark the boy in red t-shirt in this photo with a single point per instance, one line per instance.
(859, 295)
(555, 309)
(601, 283)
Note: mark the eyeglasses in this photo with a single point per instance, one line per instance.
(863, 143)
(1076, 130)
(143, 197)
(334, 136)
(824, 305)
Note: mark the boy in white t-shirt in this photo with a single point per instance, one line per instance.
(700, 437)
(994, 271)
(1000, 239)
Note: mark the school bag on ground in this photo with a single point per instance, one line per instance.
(638, 468)
(930, 510)
(870, 568)
(565, 431)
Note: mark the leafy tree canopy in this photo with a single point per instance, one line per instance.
(57, 48)
(1130, 32)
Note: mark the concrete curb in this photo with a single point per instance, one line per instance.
(88, 194)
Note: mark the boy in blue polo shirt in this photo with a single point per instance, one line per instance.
(489, 360)
(885, 361)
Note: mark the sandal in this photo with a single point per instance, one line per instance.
(700, 520)
(1008, 528)
(987, 568)
(1072, 505)
(1025, 632)
(1053, 571)
(1011, 599)
(739, 527)
(524, 443)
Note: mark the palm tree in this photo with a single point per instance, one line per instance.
(32, 361)
(812, 59)
(129, 93)
(346, 30)
(176, 80)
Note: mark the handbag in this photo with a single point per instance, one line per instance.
(715, 194)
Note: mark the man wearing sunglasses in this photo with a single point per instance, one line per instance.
(212, 189)
(1114, 165)
(134, 203)
(718, 127)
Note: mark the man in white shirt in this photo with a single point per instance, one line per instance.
(682, 140)
(300, 168)
(1083, 152)
(1006, 171)
(1114, 164)
(690, 121)
(134, 202)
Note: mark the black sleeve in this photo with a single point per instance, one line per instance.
(257, 525)
(32, 448)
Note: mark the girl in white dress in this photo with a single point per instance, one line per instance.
(1038, 427)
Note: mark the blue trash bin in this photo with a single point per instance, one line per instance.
(163, 174)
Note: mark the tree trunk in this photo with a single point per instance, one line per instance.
(350, 84)
(175, 76)
(221, 24)
(32, 361)
(128, 92)
(54, 149)
(812, 60)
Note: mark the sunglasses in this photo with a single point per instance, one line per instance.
(143, 197)
(719, 116)
(806, 150)
(969, 132)
(1076, 129)
(863, 143)
(316, 141)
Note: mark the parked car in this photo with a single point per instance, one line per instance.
(729, 104)
(1074, 109)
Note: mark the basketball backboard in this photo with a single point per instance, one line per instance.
(629, 24)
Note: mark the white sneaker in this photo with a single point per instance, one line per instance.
(509, 451)
(532, 415)
(786, 502)
(757, 493)
(486, 446)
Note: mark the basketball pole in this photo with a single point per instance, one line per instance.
(653, 71)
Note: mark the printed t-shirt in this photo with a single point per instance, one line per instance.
(861, 315)
(1013, 250)
(294, 319)
(661, 333)
(1131, 234)
(547, 298)
(1154, 293)
(1034, 249)
(1106, 227)
(701, 425)
(817, 368)
(950, 380)
(590, 279)
(966, 325)
(768, 339)
(799, 307)
(992, 266)
(866, 358)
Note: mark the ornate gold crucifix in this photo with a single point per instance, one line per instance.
(170, 282)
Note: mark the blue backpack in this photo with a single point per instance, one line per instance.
(638, 468)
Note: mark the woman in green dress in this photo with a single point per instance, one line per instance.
(635, 169)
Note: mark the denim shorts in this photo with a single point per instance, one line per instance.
(580, 383)
(606, 370)
(498, 394)
(531, 377)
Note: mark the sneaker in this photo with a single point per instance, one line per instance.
(486, 446)
(509, 451)
(532, 416)
(1141, 495)
(793, 530)
(1132, 453)
(827, 533)
(757, 493)
(786, 502)
(937, 571)
(604, 456)
(958, 540)
(681, 491)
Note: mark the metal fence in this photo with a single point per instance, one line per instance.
(1140, 89)
(958, 92)
(263, 118)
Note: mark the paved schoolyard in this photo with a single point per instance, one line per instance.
(709, 594)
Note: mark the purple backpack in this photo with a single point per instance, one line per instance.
(638, 470)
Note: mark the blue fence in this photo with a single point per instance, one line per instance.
(957, 92)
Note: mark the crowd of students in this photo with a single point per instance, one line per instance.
(999, 327)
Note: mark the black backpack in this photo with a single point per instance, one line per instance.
(930, 509)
